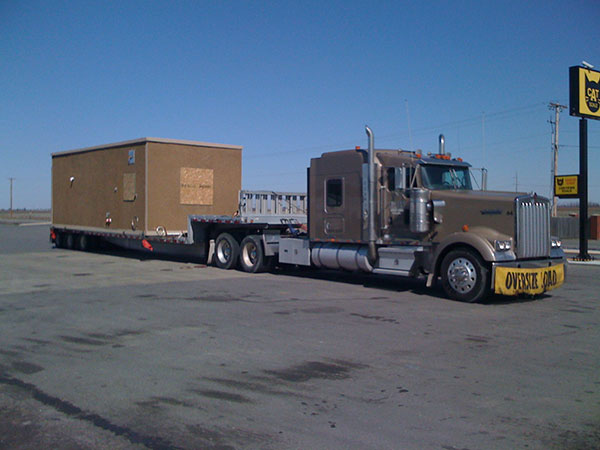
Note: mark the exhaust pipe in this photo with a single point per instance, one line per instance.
(372, 254)
(442, 145)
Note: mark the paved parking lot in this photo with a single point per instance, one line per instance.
(110, 351)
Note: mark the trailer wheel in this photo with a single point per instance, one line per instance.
(85, 243)
(465, 277)
(227, 250)
(59, 241)
(252, 255)
(70, 241)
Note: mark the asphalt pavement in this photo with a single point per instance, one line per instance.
(111, 351)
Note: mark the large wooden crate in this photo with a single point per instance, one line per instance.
(146, 185)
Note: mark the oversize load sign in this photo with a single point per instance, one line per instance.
(584, 92)
(513, 281)
(566, 186)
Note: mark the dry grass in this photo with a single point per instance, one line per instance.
(573, 210)
(25, 215)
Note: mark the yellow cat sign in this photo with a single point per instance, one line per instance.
(566, 186)
(584, 92)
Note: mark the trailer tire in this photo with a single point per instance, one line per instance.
(252, 255)
(59, 241)
(70, 241)
(465, 276)
(227, 251)
(85, 242)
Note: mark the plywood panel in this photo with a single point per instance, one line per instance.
(129, 192)
(196, 186)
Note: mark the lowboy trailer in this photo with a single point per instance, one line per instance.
(391, 212)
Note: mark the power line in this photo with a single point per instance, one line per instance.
(577, 146)
(498, 115)
(506, 141)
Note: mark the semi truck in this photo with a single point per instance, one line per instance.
(381, 211)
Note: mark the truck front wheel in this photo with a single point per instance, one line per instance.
(227, 251)
(465, 277)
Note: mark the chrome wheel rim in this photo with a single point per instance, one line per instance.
(462, 275)
(224, 251)
(249, 254)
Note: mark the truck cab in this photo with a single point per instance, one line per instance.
(427, 220)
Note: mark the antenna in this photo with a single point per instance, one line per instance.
(408, 120)
(483, 134)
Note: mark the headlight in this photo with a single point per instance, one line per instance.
(503, 246)
(556, 243)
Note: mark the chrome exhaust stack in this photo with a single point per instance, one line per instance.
(372, 254)
(442, 150)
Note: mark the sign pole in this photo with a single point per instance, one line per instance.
(584, 226)
(584, 102)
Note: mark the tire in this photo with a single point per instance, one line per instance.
(227, 251)
(70, 241)
(252, 255)
(59, 241)
(465, 277)
(85, 243)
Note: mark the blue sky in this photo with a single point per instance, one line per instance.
(290, 80)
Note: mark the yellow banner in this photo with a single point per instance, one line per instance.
(566, 185)
(589, 92)
(513, 281)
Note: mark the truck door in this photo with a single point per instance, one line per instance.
(396, 205)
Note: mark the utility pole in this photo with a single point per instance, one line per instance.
(557, 109)
(11, 196)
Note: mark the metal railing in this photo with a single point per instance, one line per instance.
(269, 203)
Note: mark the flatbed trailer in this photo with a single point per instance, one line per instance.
(263, 216)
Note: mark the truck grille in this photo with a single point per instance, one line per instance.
(532, 227)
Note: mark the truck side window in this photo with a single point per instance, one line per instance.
(334, 192)
(409, 173)
(391, 176)
(399, 178)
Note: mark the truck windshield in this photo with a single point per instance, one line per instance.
(445, 177)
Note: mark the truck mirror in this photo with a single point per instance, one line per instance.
(399, 178)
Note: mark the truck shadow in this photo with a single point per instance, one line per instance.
(384, 282)
(113, 250)
(497, 299)
(397, 284)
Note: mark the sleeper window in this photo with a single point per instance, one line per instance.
(334, 192)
